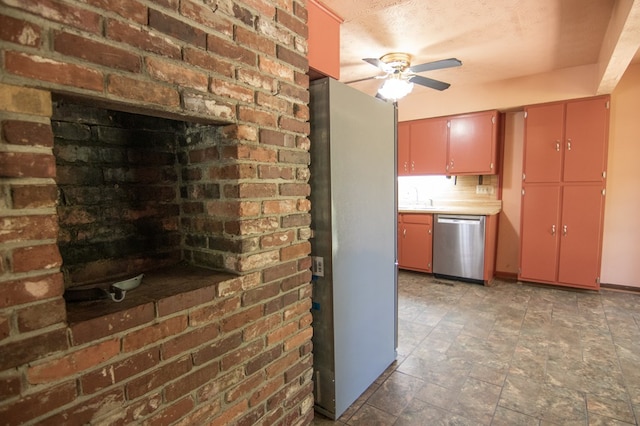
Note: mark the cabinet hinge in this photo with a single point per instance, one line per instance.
(526, 113)
(522, 191)
(524, 176)
(448, 124)
(604, 191)
(607, 105)
(491, 166)
(493, 120)
(604, 175)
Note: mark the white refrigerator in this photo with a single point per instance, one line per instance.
(354, 221)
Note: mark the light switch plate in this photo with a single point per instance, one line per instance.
(317, 266)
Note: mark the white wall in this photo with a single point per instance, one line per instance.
(568, 83)
(508, 251)
(621, 246)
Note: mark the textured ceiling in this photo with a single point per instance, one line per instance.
(495, 39)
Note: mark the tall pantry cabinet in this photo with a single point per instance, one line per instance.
(564, 172)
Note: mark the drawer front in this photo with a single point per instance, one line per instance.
(417, 218)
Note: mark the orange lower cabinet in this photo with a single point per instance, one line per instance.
(581, 236)
(561, 234)
(415, 242)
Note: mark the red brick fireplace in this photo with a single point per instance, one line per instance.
(169, 138)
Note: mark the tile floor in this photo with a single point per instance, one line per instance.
(508, 354)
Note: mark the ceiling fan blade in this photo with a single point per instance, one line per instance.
(436, 65)
(429, 82)
(378, 63)
(375, 77)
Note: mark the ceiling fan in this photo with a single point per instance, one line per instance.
(400, 75)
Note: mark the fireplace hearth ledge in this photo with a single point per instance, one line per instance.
(162, 292)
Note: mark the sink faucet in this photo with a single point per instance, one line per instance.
(430, 202)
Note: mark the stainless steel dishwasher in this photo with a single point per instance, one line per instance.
(458, 246)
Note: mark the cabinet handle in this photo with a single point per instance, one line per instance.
(429, 231)
(558, 146)
(553, 230)
(568, 144)
(404, 233)
(564, 230)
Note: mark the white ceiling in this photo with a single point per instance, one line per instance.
(495, 39)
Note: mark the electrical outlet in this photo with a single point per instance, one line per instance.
(484, 189)
(317, 266)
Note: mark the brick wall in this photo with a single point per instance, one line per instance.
(233, 349)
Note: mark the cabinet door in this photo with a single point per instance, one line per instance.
(585, 157)
(473, 144)
(403, 148)
(539, 233)
(417, 242)
(428, 247)
(323, 51)
(400, 259)
(581, 234)
(429, 146)
(543, 150)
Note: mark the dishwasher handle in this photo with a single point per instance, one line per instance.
(460, 219)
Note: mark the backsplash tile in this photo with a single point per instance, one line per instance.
(420, 190)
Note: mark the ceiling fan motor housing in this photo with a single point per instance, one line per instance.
(397, 60)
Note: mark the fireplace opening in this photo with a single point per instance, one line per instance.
(127, 189)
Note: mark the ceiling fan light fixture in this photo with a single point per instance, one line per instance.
(400, 76)
(395, 88)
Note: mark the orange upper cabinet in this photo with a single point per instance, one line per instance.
(587, 130)
(404, 147)
(429, 146)
(324, 40)
(544, 128)
(422, 147)
(473, 140)
(566, 141)
(455, 145)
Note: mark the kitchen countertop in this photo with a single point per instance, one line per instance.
(484, 207)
